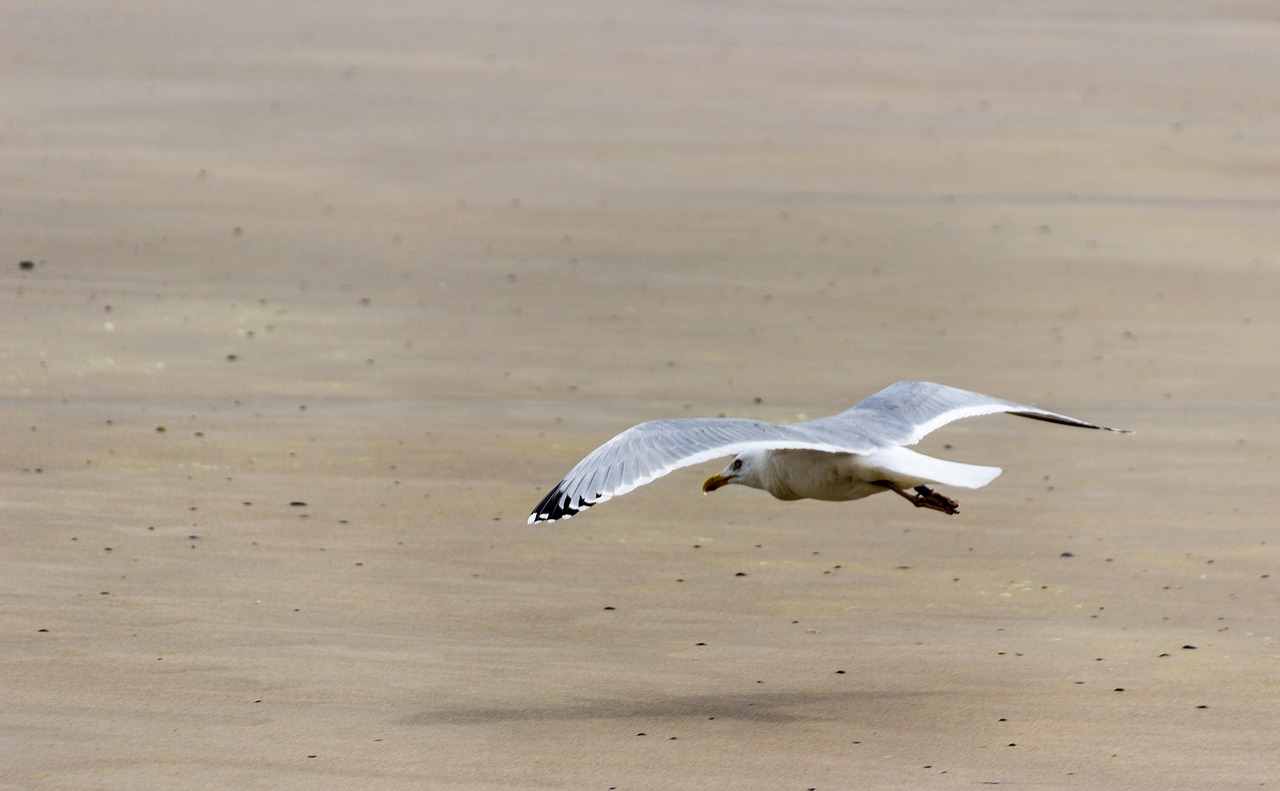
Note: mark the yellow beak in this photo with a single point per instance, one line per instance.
(713, 483)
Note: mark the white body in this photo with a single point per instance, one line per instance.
(819, 475)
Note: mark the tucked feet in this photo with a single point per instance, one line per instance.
(928, 498)
(924, 498)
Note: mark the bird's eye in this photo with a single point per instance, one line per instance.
(737, 464)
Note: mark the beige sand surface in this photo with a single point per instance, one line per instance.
(326, 295)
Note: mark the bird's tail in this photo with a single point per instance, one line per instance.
(908, 468)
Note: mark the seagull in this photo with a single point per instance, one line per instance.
(857, 453)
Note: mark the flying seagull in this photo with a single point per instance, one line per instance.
(855, 454)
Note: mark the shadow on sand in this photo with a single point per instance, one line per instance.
(761, 707)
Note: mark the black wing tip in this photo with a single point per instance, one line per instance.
(557, 505)
(1063, 420)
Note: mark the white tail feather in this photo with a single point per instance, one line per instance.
(908, 468)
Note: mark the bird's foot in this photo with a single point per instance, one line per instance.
(928, 498)
(923, 498)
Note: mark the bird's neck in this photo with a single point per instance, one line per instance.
(773, 474)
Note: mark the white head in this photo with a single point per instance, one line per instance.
(745, 469)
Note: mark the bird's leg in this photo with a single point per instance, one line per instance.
(924, 498)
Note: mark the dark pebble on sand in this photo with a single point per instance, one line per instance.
(27, 265)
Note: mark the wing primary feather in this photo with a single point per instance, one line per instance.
(1064, 420)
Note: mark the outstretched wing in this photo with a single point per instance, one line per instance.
(903, 413)
(650, 450)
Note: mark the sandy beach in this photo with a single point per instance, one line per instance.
(304, 306)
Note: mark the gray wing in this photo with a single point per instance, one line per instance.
(903, 413)
(650, 450)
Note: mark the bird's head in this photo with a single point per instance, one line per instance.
(744, 469)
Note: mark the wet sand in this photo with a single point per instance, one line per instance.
(321, 301)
